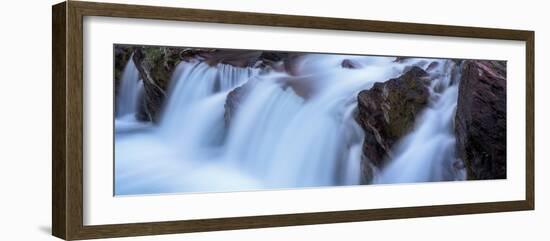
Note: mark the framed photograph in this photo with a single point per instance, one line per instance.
(171, 120)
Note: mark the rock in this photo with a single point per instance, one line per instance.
(265, 60)
(237, 58)
(247, 58)
(418, 64)
(350, 64)
(189, 53)
(270, 60)
(122, 55)
(273, 56)
(293, 62)
(480, 121)
(235, 98)
(400, 59)
(155, 66)
(387, 112)
(303, 86)
(433, 65)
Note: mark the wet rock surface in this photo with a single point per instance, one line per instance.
(387, 112)
(480, 121)
(155, 66)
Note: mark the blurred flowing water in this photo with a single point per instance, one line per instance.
(127, 100)
(290, 130)
(130, 88)
(428, 153)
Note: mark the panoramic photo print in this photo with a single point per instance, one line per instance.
(190, 120)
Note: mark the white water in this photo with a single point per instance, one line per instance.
(428, 153)
(130, 88)
(127, 100)
(290, 131)
(193, 117)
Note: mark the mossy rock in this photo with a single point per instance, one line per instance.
(156, 66)
(388, 110)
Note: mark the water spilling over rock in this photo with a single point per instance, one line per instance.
(233, 121)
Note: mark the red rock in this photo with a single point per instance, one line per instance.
(480, 123)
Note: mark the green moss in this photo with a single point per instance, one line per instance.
(153, 54)
(161, 62)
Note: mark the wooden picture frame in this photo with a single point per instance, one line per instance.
(67, 149)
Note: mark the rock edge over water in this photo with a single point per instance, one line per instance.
(387, 111)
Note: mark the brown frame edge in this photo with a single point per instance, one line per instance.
(67, 160)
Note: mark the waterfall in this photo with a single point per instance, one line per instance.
(196, 89)
(128, 99)
(353, 140)
(290, 129)
(260, 122)
(130, 88)
(428, 152)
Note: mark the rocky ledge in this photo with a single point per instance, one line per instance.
(156, 65)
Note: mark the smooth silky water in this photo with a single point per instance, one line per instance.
(290, 131)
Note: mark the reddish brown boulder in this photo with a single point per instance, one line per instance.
(480, 123)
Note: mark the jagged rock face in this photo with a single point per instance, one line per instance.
(387, 112)
(480, 122)
(155, 66)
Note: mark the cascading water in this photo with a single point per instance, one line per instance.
(428, 152)
(130, 86)
(196, 103)
(127, 100)
(291, 130)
